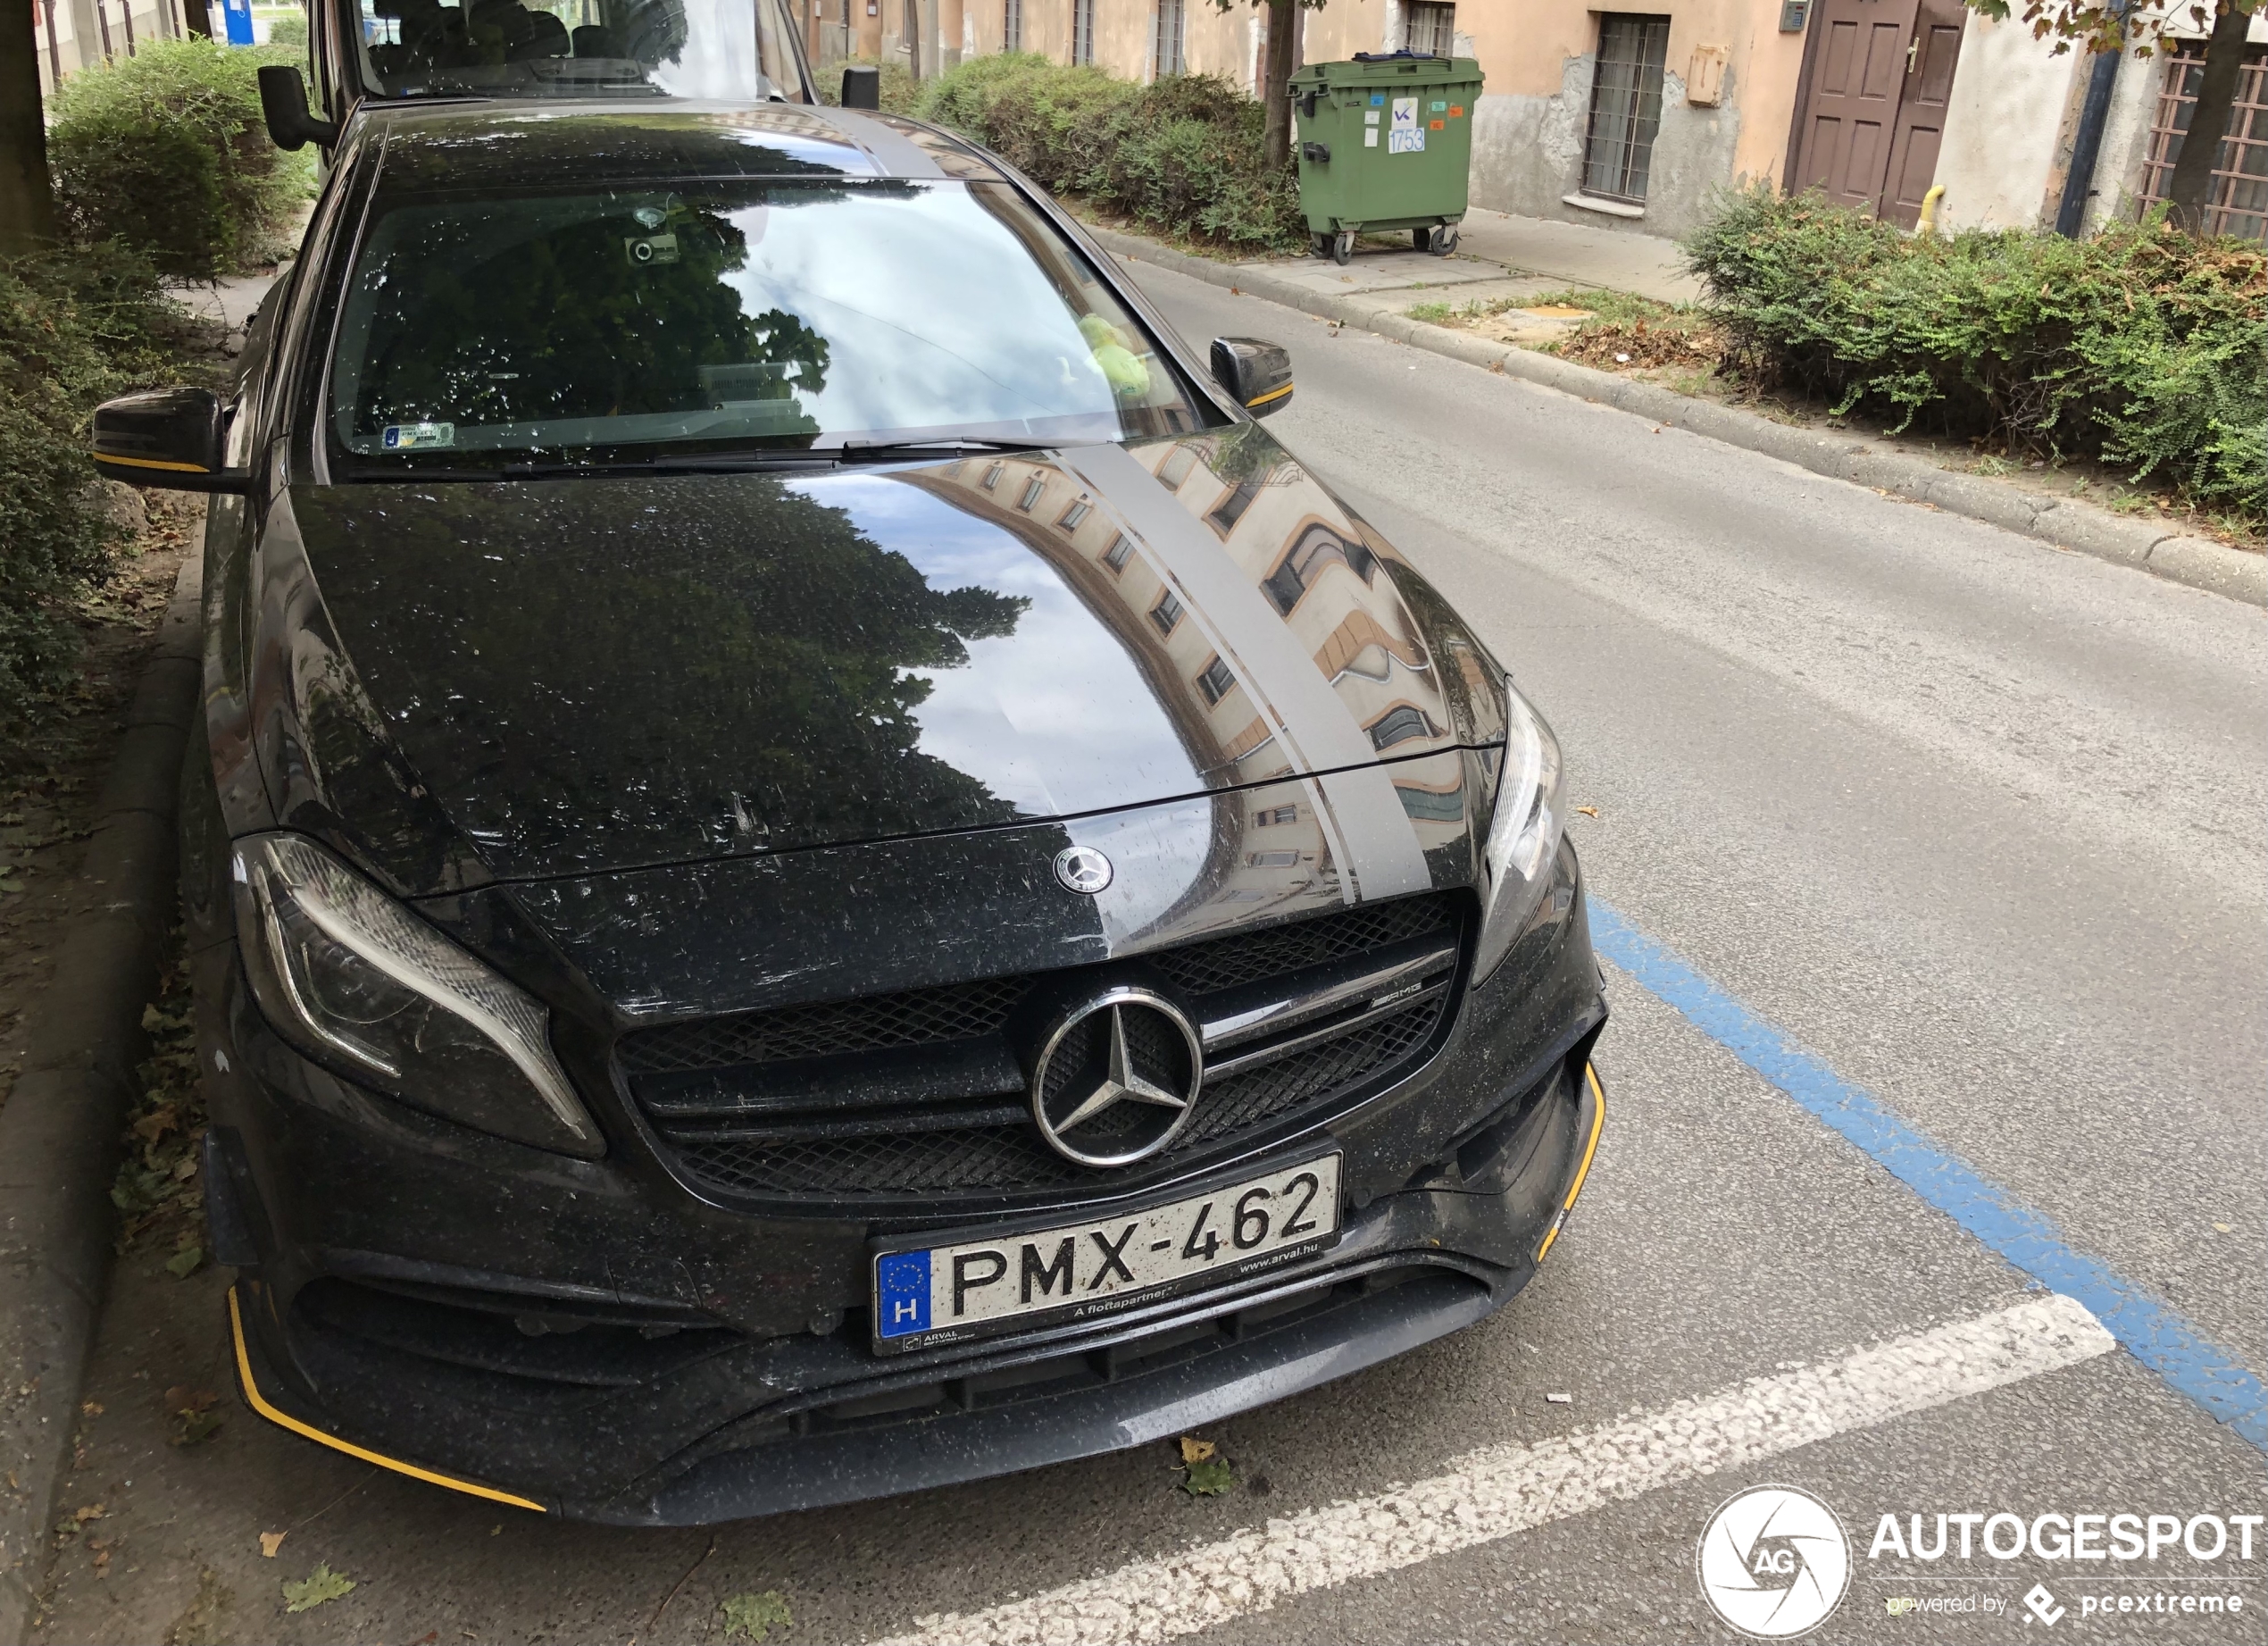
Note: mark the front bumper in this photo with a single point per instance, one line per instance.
(589, 1339)
(1401, 1277)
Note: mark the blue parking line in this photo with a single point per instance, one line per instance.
(2145, 1326)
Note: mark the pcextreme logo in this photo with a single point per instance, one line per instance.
(1774, 1562)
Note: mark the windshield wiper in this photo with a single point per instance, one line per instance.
(691, 463)
(864, 451)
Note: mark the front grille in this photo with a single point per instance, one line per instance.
(918, 1093)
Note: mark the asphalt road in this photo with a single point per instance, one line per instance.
(1977, 824)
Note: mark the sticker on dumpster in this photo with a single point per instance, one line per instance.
(1437, 108)
(1404, 134)
(1370, 136)
(1370, 117)
(1378, 99)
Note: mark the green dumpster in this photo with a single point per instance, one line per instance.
(1385, 143)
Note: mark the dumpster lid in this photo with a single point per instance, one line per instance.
(1390, 69)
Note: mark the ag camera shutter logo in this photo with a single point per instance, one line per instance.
(1774, 1562)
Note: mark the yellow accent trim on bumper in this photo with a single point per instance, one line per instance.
(1273, 394)
(260, 1404)
(154, 463)
(1590, 1148)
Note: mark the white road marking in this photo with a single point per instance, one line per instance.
(1501, 1490)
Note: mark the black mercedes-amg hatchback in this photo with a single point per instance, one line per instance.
(813, 867)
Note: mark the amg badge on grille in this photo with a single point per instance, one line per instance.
(1114, 1078)
(1082, 868)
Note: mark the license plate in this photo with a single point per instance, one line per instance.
(944, 1294)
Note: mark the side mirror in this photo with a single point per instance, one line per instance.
(861, 87)
(1257, 373)
(283, 100)
(170, 437)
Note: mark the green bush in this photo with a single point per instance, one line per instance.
(288, 28)
(166, 150)
(74, 327)
(2141, 346)
(1181, 156)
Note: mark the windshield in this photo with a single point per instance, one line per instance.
(736, 50)
(608, 327)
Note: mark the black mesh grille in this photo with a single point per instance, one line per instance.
(1224, 963)
(919, 1017)
(1011, 1158)
(891, 1158)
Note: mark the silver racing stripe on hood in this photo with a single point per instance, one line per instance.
(1363, 817)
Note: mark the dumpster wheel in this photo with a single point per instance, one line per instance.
(1342, 248)
(1444, 241)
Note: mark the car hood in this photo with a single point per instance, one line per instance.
(585, 675)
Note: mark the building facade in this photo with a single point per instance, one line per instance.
(1636, 120)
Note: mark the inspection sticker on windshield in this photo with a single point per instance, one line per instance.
(1403, 135)
(406, 437)
(947, 1294)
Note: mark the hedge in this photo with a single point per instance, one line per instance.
(166, 150)
(2141, 346)
(75, 326)
(1179, 156)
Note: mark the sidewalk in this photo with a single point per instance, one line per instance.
(1498, 256)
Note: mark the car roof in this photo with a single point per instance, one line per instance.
(498, 144)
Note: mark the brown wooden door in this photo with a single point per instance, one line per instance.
(1856, 81)
(1935, 49)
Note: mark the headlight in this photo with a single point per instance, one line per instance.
(360, 982)
(1523, 836)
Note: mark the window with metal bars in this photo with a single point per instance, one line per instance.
(1626, 105)
(1429, 27)
(2237, 199)
(1082, 30)
(1165, 54)
(1012, 27)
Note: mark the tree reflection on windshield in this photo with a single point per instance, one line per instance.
(583, 321)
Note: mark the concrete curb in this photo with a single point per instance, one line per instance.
(2200, 562)
(59, 1129)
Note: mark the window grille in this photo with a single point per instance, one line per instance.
(1073, 515)
(1166, 613)
(1119, 552)
(2237, 199)
(1429, 28)
(1033, 489)
(1166, 49)
(1230, 509)
(1082, 30)
(1626, 105)
(1012, 27)
(1216, 681)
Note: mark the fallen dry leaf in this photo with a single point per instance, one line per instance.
(1195, 1450)
(271, 1542)
(1588, 811)
(92, 1511)
(93, 1408)
(188, 1401)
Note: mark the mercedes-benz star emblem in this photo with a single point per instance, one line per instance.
(1116, 1078)
(1082, 868)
